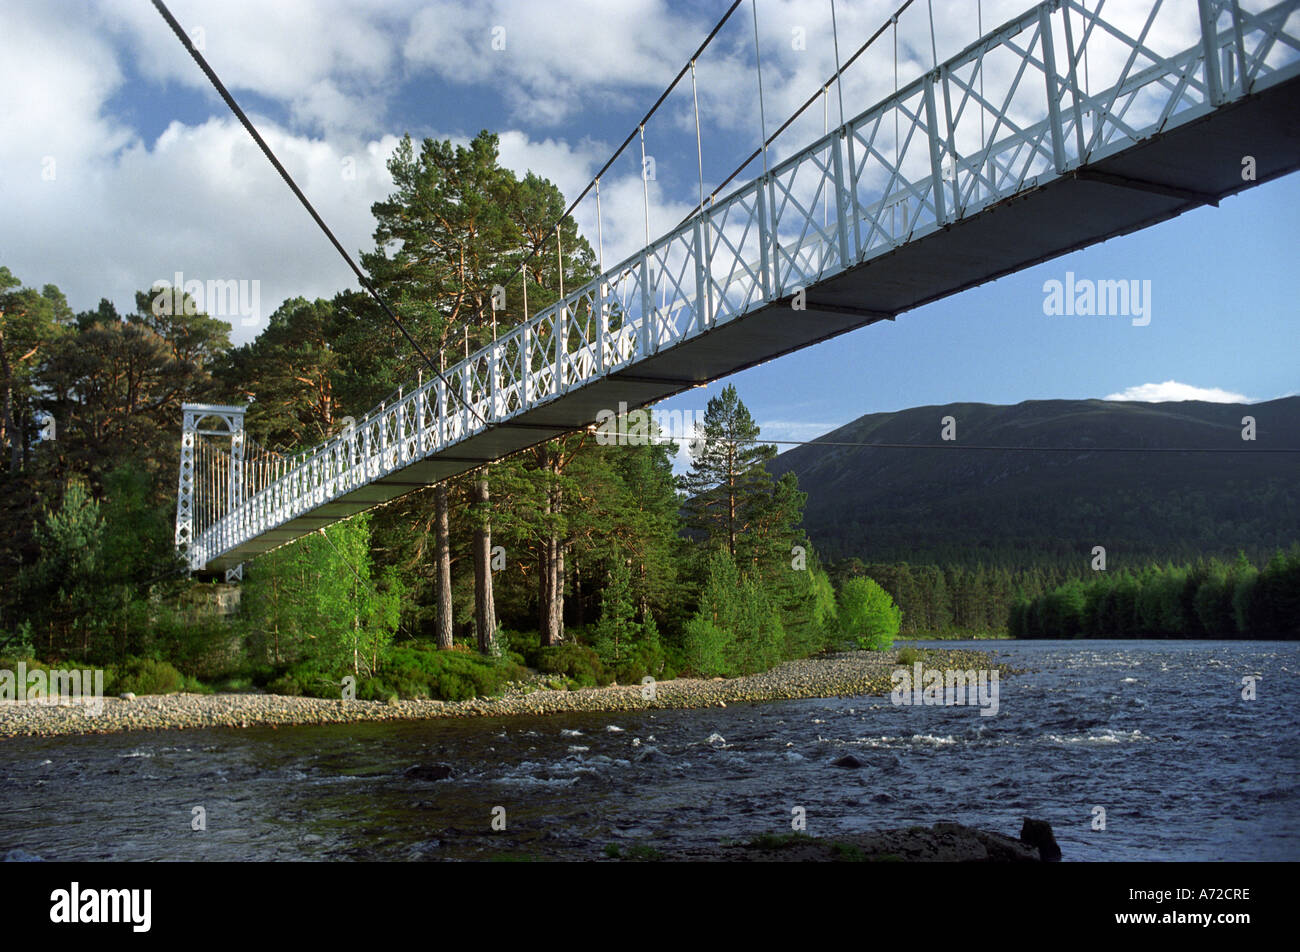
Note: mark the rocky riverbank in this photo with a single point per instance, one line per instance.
(849, 674)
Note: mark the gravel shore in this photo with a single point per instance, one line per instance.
(840, 675)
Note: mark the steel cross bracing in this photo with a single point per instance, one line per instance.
(1058, 96)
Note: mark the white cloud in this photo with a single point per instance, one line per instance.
(123, 210)
(330, 62)
(1172, 390)
(553, 62)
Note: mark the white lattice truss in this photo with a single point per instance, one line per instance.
(1007, 114)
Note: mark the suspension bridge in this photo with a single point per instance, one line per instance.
(1054, 131)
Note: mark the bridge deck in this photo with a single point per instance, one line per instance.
(976, 233)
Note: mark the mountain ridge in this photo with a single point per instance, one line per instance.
(1014, 506)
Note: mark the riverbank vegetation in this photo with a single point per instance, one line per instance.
(1210, 599)
(588, 563)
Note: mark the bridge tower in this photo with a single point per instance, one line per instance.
(210, 486)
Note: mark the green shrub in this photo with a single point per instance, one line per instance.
(199, 645)
(706, 648)
(285, 684)
(577, 662)
(20, 642)
(522, 645)
(313, 681)
(233, 685)
(194, 686)
(908, 655)
(422, 671)
(868, 614)
(143, 676)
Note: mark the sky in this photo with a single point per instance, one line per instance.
(120, 167)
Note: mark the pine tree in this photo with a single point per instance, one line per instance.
(63, 586)
(457, 226)
(617, 633)
(727, 473)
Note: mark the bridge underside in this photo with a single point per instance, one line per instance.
(1194, 164)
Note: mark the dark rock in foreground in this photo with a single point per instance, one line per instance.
(429, 772)
(1038, 834)
(941, 843)
(848, 760)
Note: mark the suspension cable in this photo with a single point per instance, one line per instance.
(284, 174)
(953, 445)
(699, 147)
(639, 128)
(800, 111)
(758, 63)
(839, 70)
(934, 50)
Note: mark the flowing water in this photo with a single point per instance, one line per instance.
(1154, 732)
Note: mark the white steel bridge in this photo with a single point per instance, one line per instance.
(1004, 157)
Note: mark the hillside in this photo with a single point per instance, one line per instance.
(1011, 507)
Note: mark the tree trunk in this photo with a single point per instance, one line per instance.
(559, 588)
(8, 427)
(549, 621)
(485, 615)
(580, 616)
(442, 555)
(731, 500)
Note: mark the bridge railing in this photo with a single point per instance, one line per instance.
(1053, 89)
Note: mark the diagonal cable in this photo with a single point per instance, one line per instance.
(284, 174)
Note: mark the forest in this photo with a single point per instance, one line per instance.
(591, 563)
(586, 559)
(1209, 599)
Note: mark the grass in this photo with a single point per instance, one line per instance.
(778, 841)
(644, 854)
(848, 853)
(638, 852)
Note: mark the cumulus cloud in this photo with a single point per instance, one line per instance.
(1172, 390)
(102, 203)
(331, 63)
(552, 62)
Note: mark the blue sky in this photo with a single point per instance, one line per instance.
(153, 176)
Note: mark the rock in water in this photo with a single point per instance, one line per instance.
(848, 760)
(427, 772)
(20, 856)
(1038, 834)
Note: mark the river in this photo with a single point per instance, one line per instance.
(1155, 733)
